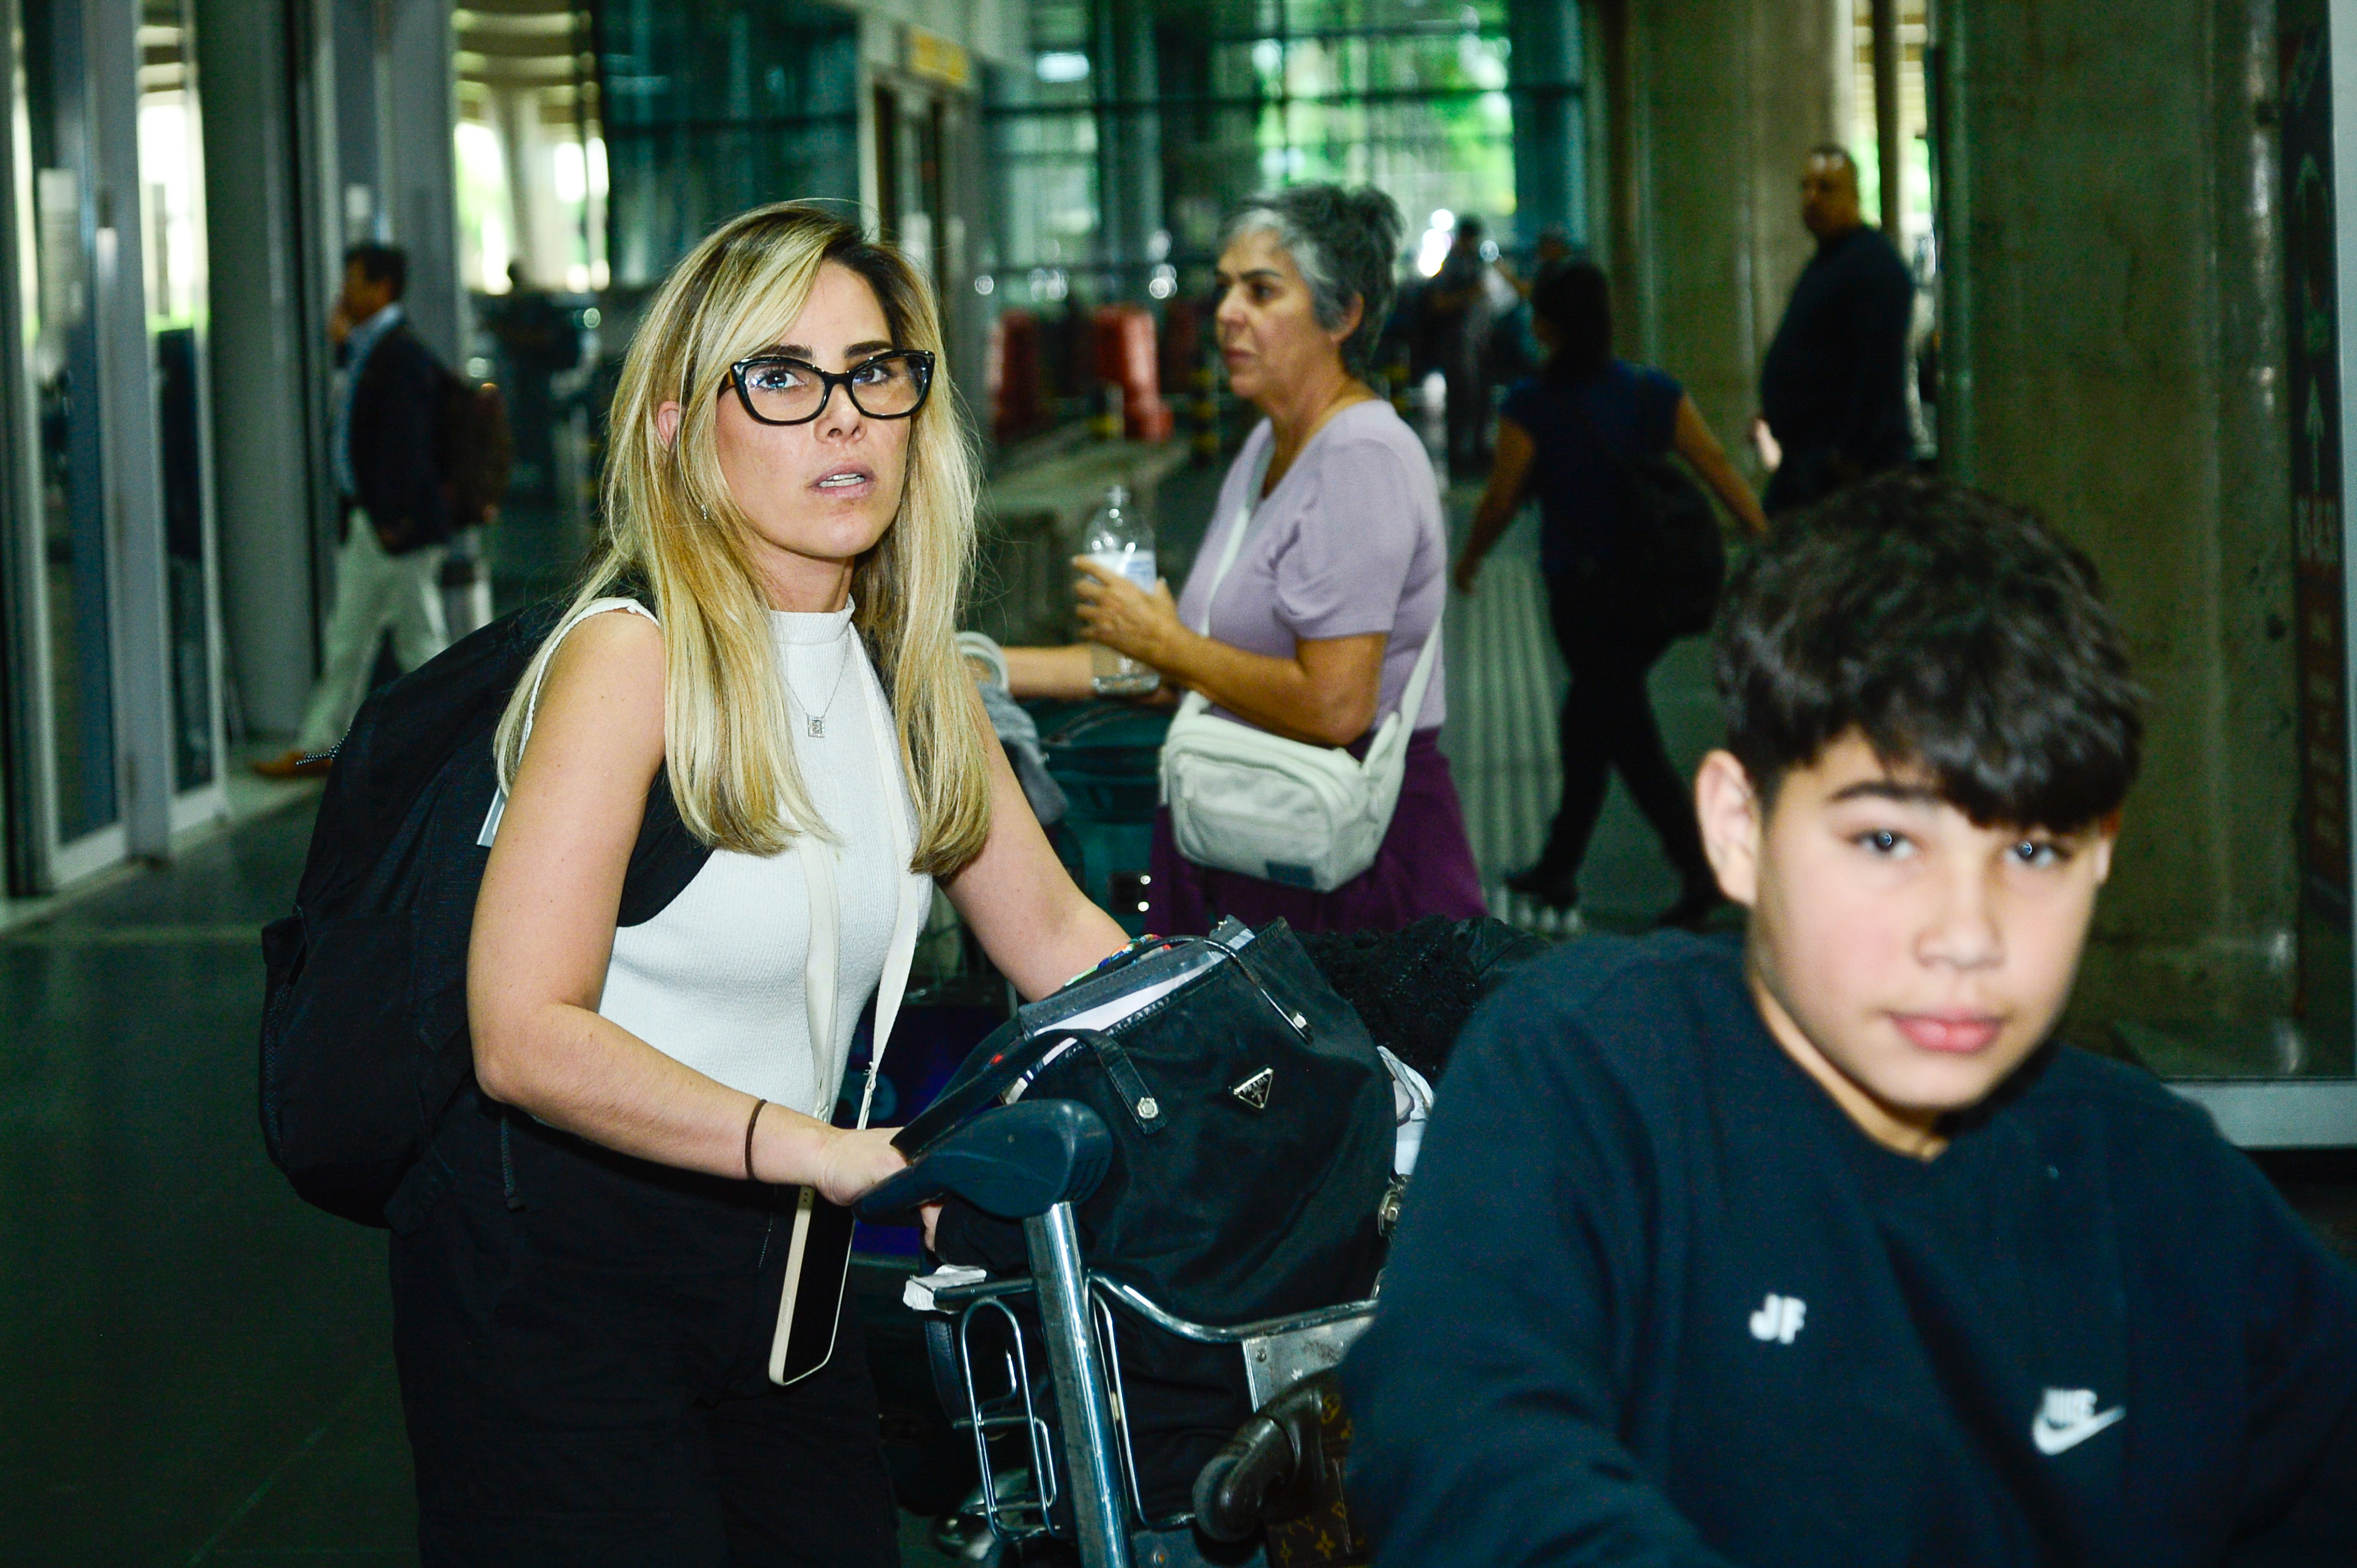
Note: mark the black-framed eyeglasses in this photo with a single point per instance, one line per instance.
(777, 389)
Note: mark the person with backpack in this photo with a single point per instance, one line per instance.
(384, 448)
(1572, 434)
(589, 1314)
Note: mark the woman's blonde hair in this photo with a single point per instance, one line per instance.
(674, 532)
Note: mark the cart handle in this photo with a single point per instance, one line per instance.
(1015, 1162)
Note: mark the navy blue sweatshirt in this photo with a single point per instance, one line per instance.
(1656, 1300)
(1836, 376)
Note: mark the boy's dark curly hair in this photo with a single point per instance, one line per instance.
(1955, 632)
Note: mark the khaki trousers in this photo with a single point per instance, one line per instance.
(374, 591)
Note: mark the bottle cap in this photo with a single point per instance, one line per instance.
(1117, 496)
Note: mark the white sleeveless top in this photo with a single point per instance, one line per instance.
(728, 978)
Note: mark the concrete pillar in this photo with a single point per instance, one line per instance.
(258, 363)
(544, 237)
(1889, 156)
(1720, 101)
(2113, 356)
(143, 682)
(1545, 74)
(420, 170)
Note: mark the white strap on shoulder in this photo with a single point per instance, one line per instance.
(914, 901)
(1411, 706)
(594, 608)
(1236, 534)
(532, 708)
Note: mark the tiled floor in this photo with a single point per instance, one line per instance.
(183, 1340)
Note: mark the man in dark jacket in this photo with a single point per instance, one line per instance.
(1820, 1249)
(1833, 390)
(383, 446)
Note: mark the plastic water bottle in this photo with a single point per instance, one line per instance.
(1121, 539)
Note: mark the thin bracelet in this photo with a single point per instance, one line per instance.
(751, 1123)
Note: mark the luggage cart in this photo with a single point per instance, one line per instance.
(1056, 1454)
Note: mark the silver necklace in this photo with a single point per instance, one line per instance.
(815, 722)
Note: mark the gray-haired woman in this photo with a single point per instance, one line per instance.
(1314, 630)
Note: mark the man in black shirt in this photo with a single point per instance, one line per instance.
(1833, 390)
(1818, 1249)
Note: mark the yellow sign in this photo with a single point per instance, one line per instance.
(932, 55)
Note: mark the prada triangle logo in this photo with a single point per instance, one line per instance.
(1253, 1090)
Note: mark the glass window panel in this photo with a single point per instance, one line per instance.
(1409, 97)
(71, 579)
(783, 122)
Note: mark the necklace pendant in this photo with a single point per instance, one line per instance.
(817, 725)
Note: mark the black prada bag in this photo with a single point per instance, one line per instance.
(1252, 1119)
(1252, 1131)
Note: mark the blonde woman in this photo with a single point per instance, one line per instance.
(583, 1319)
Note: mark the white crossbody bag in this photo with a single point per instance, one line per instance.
(1242, 799)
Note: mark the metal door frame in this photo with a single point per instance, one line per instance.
(196, 804)
(148, 806)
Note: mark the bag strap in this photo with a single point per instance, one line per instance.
(911, 907)
(1411, 700)
(1243, 526)
(594, 607)
(1128, 1081)
(491, 829)
(1411, 706)
(1006, 1054)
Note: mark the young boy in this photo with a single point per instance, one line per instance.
(1818, 1253)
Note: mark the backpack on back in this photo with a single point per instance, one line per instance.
(1662, 574)
(474, 448)
(364, 1040)
(1671, 563)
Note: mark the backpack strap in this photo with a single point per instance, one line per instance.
(594, 608)
(532, 707)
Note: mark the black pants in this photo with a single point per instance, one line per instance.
(1608, 722)
(583, 1341)
(1467, 412)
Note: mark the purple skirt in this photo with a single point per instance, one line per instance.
(1424, 867)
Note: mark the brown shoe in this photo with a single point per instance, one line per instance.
(295, 763)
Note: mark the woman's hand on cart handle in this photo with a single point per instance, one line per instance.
(853, 1161)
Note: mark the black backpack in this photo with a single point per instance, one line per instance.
(1662, 574)
(474, 448)
(364, 1041)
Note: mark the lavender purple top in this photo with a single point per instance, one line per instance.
(1348, 542)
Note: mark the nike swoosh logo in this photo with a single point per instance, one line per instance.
(2052, 1438)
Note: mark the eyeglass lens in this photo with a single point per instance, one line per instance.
(787, 391)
